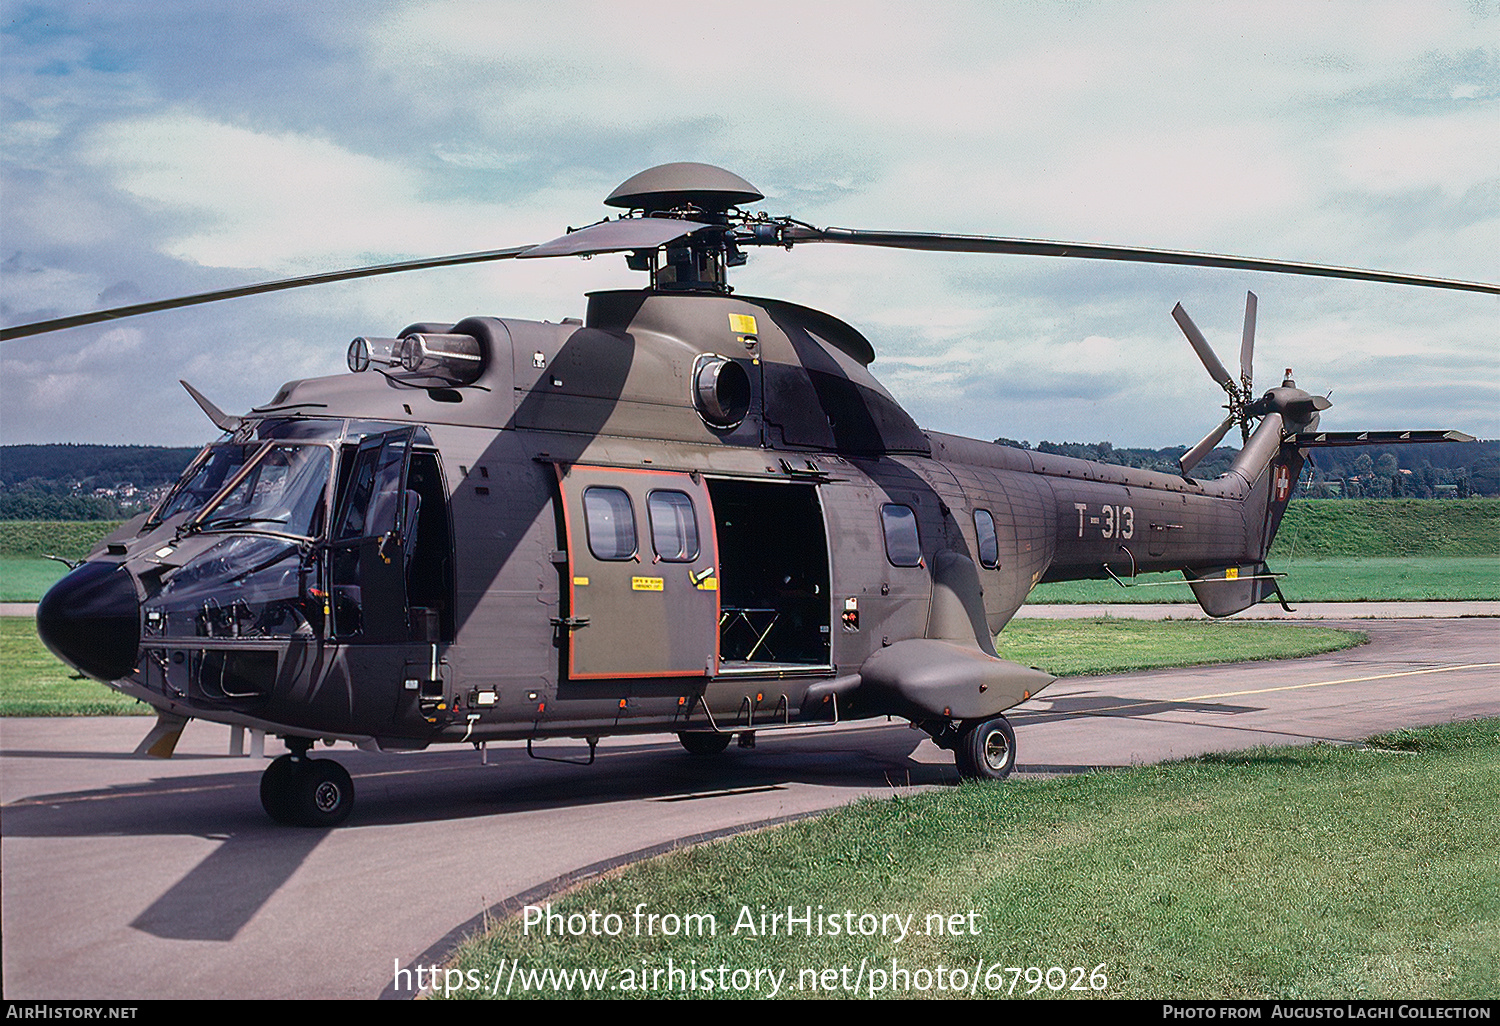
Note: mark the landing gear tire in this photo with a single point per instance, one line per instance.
(703, 742)
(276, 784)
(986, 750)
(307, 792)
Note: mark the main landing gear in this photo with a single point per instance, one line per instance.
(299, 791)
(982, 749)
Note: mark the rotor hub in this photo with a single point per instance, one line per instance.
(681, 185)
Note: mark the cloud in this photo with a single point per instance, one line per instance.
(339, 134)
(284, 201)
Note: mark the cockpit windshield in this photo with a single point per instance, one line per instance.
(203, 478)
(282, 490)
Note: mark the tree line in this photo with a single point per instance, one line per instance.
(1428, 471)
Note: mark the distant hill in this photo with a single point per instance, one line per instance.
(1440, 470)
(85, 482)
(145, 465)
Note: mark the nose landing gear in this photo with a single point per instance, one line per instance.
(299, 791)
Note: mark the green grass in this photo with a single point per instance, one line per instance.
(1389, 527)
(1326, 579)
(1307, 872)
(27, 578)
(34, 683)
(1072, 647)
(24, 575)
(70, 539)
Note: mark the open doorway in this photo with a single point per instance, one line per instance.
(773, 583)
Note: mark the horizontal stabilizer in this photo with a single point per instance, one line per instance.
(1225, 590)
(1314, 439)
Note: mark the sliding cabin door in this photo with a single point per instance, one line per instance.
(642, 590)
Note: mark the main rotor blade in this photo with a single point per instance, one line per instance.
(115, 313)
(1202, 348)
(1188, 460)
(1247, 343)
(1092, 251)
(614, 236)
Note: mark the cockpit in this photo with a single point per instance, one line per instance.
(330, 528)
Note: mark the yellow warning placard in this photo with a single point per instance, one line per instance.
(646, 584)
(743, 324)
(1232, 573)
(581, 582)
(709, 584)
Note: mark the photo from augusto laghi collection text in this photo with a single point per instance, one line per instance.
(872, 975)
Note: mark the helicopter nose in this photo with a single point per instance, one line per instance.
(91, 620)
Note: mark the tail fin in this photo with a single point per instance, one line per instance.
(1271, 467)
(1268, 466)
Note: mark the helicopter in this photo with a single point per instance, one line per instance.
(690, 511)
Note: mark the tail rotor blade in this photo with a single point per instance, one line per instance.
(1204, 350)
(1188, 460)
(1247, 343)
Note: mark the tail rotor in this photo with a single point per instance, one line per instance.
(1240, 392)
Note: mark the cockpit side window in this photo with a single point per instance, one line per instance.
(374, 498)
(215, 465)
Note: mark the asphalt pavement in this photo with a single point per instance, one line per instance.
(132, 878)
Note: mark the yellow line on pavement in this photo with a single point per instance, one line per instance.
(1346, 680)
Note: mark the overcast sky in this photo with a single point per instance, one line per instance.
(152, 150)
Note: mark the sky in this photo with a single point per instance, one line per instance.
(153, 150)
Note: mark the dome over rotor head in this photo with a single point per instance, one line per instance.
(669, 186)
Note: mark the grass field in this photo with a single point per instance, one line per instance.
(1070, 648)
(25, 575)
(1307, 872)
(1327, 579)
(1388, 527)
(34, 683)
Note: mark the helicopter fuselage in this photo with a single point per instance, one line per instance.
(695, 513)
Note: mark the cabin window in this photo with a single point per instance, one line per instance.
(989, 542)
(674, 529)
(902, 546)
(610, 521)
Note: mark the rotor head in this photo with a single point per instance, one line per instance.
(682, 185)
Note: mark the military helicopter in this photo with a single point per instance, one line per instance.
(691, 511)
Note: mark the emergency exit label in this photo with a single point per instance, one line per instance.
(646, 584)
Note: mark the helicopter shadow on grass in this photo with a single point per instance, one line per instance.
(215, 899)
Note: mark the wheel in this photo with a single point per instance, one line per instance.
(703, 742)
(987, 750)
(321, 795)
(306, 792)
(276, 786)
